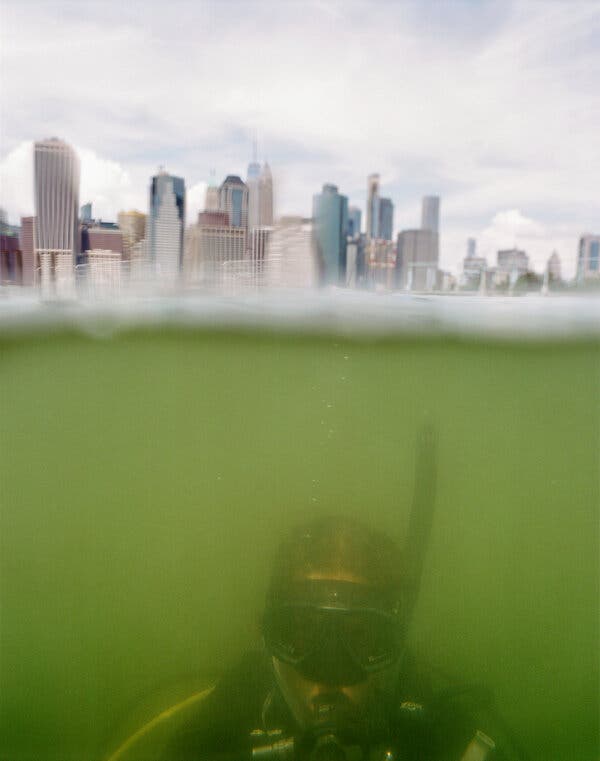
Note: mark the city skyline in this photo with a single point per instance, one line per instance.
(476, 104)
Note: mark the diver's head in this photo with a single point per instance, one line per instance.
(333, 623)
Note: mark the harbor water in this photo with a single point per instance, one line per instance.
(150, 463)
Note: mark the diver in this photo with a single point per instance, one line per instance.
(335, 680)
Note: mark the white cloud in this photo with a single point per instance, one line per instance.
(108, 186)
(509, 226)
(16, 182)
(194, 201)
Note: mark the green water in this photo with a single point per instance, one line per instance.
(146, 479)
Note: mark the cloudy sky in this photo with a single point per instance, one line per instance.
(492, 104)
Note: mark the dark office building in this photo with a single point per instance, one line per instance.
(386, 219)
(330, 215)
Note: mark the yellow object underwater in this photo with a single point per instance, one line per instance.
(163, 716)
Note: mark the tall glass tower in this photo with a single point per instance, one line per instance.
(330, 214)
(386, 219)
(233, 198)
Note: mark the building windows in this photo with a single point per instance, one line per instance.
(594, 255)
(236, 207)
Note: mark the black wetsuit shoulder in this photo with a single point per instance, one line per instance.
(428, 725)
(225, 719)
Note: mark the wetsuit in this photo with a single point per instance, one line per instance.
(246, 710)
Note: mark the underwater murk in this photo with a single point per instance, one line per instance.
(147, 474)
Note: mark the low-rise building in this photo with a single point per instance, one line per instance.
(210, 247)
(291, 260)
(513, 262)
(104, 273)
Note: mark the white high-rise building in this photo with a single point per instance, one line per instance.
(260, 196)
(56, 180)
(165, 226)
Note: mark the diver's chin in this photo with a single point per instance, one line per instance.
(334, 713)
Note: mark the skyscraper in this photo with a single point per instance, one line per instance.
(373, 206)
(430, 214)
(211, 199)
(330, 214)
(386, 219)
(166, 225)
(417, 260)
(588, 260)
(471, 248)
(86, 212)
(260, 194)
(266, 196)
(27, 238)
(354, 221)
(56, 181)
(253, 183)
(233, 199)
